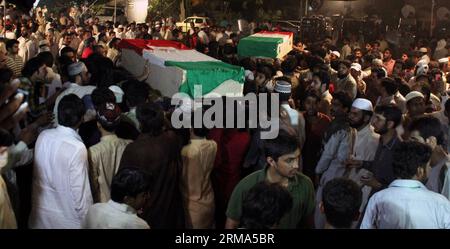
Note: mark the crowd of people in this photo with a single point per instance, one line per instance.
(363, 140)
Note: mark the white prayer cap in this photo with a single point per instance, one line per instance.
(443, 60)
(282, 87)
(120, 26)
(413, 95)
(356, 66)
(363, 104)
(76, 68)
(336, 53)
(118, 93)
(423, 50)
(377, 62)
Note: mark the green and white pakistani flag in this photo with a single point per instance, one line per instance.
(266, 44)
(175, 68)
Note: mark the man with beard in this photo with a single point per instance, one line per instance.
(388, 62)
(427, 130)
(407, 203)
(27, 47)
(385, 120)
(364, 141)
(336, 149)
(316, 123)
(345, 82)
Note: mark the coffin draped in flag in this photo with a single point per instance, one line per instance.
(175, 68)
(266, 44)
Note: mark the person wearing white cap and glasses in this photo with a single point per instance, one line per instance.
(79, 78)
(356, 72)
(291, 120)
(336, 149)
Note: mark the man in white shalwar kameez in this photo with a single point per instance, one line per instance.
(364, 143)
(61, 192)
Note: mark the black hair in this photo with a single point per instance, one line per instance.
(102, 95)
(32, 66)
(313, 94)
(101, 70)
(151, 118)
(400, 62)
(136, 92)
(264, 205)
(66, 50)
(447, 106)
(47, 57)
(70, 111)
(282, 145)
(408, 157)
(10, 43)
(101, 35)
(6, 75)
(323, 76)
(6, 138)
(391, 113)
(379, 73)
(343, 98)
(111, 43)
(289, 64)
(428, 126)
(248, 64)
(130, 181)
(346, 63)
(389, 85)
(341, 201)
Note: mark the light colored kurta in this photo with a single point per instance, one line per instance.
(7, 217)
(27, 48)
(407, 204)
(61, 192)
(364, 148)
(331, 165)
(104, 161)
(198, 162)
(113, 215)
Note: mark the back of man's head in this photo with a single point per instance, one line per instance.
(409, 157)
(136, 92)
(129, 182)
(341, 200)
(151, 118)
(389, 85)
(264, 206)
(70, 111)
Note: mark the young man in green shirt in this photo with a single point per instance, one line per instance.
(282, 155)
